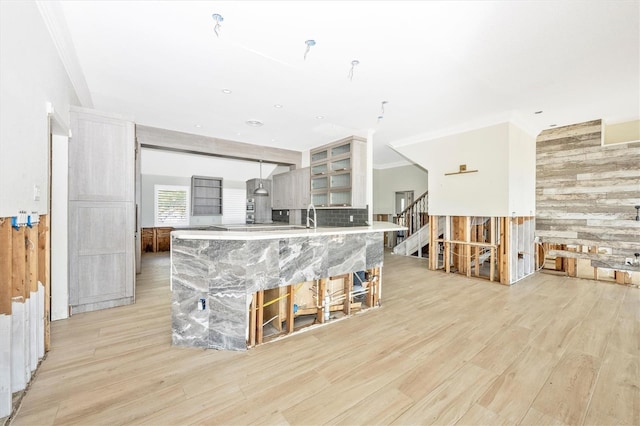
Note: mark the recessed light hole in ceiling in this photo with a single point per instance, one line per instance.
(309, 44)
(218, 19)
(226, 91)
(254, 123)
(353, 65)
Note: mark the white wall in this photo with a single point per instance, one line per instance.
(504, 185)
(522, 172)
(485, 193)
(387, 181)
(31, 74)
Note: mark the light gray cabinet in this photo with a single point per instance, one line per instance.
(339, 174)
(291, 189)
(101, 211)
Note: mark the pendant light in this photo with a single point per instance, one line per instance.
(260, 190)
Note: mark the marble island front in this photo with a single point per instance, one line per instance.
(215, 273)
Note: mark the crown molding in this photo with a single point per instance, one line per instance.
(53, 17)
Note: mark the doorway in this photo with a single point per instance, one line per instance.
(403, 199)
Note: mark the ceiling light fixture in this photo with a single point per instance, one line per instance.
(226, 91)
(254, 123)
(309, 44)
(260, 190)
(319, 117)
(197, 126)
(218, 18)
(277, 106)
(353, 65)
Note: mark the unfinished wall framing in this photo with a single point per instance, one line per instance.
(585, 198)
(495, 248)
(24, 305)
(271, 311)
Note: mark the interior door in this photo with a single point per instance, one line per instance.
(101, 211)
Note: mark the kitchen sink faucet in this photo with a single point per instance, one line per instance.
(315, 216)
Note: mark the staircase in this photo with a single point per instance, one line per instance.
(416, 218)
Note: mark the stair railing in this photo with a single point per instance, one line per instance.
(415, 215)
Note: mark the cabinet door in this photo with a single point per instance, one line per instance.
(101, 211)
(279, 191)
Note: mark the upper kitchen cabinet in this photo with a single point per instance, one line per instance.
(338, 174)
(291, 189)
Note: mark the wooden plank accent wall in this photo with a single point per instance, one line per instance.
(586, 192)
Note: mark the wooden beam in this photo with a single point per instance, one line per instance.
(32, 258)
(492, 241)
(5, 266)
(18, 264)
(505, 250)
(290, 303)
(347, 282)
(259, 317)
(322, 290)
(433, 245)
(467, 249)
(570, 264)
(594, 250)
(44, 274)
(252, 320)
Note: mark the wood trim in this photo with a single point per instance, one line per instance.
(6, 265)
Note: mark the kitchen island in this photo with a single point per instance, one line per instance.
(214, 274)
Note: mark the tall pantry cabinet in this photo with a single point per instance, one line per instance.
(102, 224)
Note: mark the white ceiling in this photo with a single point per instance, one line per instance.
(442, 66)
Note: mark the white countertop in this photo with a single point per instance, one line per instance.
(284, 231)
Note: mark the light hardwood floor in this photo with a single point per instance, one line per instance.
(442, 349)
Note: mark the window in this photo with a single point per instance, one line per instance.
(171, 205)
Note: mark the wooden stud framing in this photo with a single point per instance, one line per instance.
(322, 289)
(504, 268)
(18, 261)
(5, 266)
(259, 316)
(594, 249)
(433, 245)
(347, 284)
(31, 235)
(44, 263)
(290, 314)
(492, 240)
(570, 264)
(252, 321)
(466, 221)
